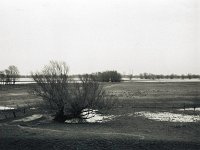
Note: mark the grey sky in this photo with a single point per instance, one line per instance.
(157, 36)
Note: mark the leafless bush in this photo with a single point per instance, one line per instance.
(2, 77)
(88, 95)
(66, 97)
(13, 73)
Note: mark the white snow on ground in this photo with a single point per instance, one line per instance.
(6, 108)
(167, 116)
(30, 118)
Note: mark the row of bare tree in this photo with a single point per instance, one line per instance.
(171, 76)
(9, 75)
(161, 76)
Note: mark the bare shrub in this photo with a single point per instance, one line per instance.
(2, 77)
(66, 97)
(88, 95)
(14, 73)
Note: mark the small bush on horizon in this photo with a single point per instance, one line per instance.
(109, 76)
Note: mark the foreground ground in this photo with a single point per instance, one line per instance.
(125, 131)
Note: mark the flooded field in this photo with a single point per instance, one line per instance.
(155, 111)
(165, 80)
(30, 80)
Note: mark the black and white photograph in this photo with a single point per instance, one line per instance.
(99, 75)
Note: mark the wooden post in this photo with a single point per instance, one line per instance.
(14, 115)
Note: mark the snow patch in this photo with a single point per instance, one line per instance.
(167, 116)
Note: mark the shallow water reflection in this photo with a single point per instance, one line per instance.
(92, 117)
(167, 116)
(29, 118)
(6, 108)
(190, 109)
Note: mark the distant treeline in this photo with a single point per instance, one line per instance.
(161, 76)
(114, 76)
(106, 76)
(10, 77)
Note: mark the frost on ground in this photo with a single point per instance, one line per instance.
(167, 116)
(30, 118)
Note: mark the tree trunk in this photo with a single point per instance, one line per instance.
(60, 117)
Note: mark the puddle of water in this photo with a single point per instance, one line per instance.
(170, 117)
(100, 118)
(30, 118)
(190, 109)
(6, 108)
(92, 117)
(18, 94)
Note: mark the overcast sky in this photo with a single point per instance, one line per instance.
(131, 36)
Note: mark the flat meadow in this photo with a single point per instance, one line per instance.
(147, 115)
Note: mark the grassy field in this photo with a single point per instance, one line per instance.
(125, 131)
